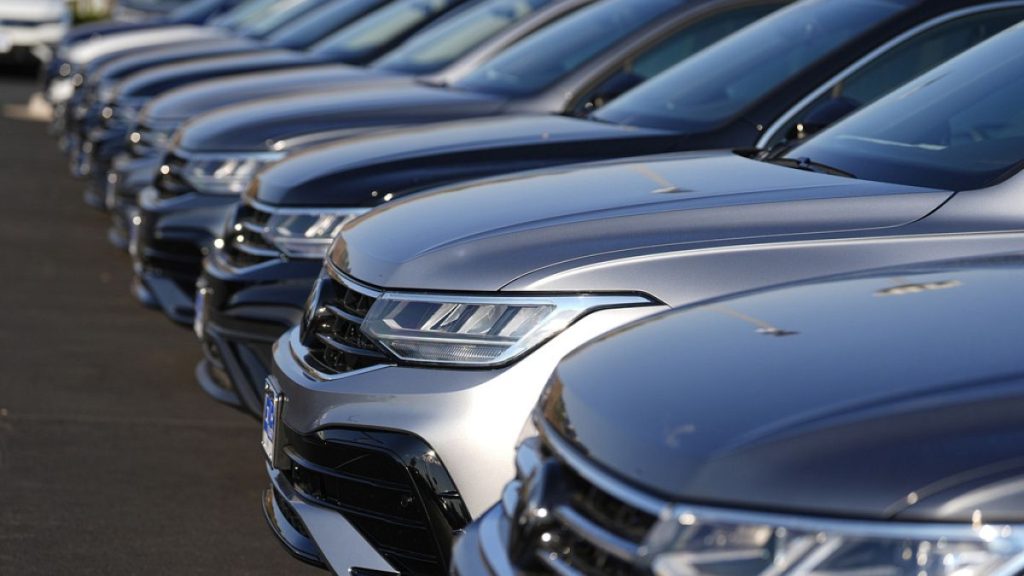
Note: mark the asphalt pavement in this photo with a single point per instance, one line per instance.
(112, 461)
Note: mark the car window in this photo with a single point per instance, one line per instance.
(240, 14)
(677, 47)
(911, 58)
(315, 26)
(443, 43)
(382, 27)
(959, 126)
(279, 13)
(547, 56)
(719, 84)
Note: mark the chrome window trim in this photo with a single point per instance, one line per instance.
(870, 57)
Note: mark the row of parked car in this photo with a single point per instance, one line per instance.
(759, 261)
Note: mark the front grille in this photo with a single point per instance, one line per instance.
(588, 530)
(245, 242)
(331, 329)
(390, 486)
(170, 181)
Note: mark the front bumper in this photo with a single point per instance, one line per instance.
(244, 312)
(292, 519)
(104, 147)
(168, 246)
(472, 418)
(482, 549)
(125, 181)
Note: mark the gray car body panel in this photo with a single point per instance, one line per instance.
(544, 223)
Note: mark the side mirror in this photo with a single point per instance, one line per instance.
(610, 89)
(821, 115)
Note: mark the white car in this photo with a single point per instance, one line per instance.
(80, 54)
(32, 26)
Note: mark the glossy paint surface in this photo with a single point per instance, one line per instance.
(398, 162)
(484, 236)
(892, 394)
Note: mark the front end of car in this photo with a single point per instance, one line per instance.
(130, 173)
(567, 514)
(254, 287)
(703, 441)
(450, 377)
(178, 219)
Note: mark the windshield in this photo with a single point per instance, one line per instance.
(547, 56)
(958, 127)
(719, 83)
(275, 15)
(376, 32)
(193, 10)
(310, 28)
(445, 42)
(241, 14)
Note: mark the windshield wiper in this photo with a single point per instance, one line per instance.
(804, 163)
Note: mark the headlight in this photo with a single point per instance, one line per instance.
(476, 330)
(225, 175)
(305, 234)
(696, 542)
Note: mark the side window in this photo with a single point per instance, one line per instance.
(899, 65)
(670, 51)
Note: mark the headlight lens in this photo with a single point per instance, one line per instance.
(476, 331)
(225, 175)
(307, 234)
(697, 542)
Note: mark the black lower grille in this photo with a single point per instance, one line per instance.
(290, 516)
(176, 258)
(389, 486)
(331, 329)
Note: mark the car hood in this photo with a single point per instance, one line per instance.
(158, 55)
(483, 236)
(200, 97)
(795, 399)
(149, 82)
(362, 171)
(85, 51)
(258, 125)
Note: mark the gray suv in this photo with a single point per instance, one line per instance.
(393, 410)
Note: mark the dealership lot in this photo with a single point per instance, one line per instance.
(112, 461)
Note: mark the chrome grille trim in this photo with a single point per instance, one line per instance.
(330, 337)
(254, 251)
(611, 543)
(601, 479)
